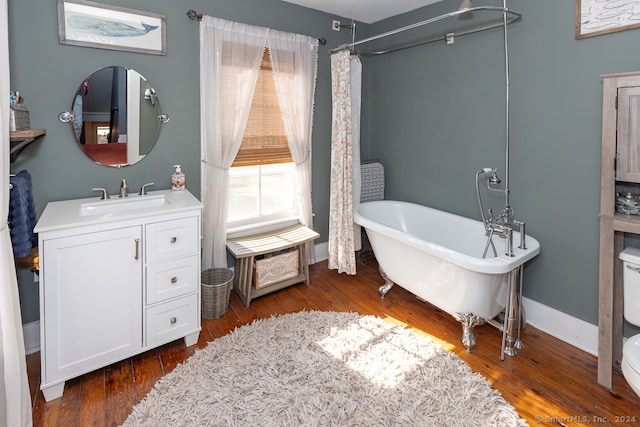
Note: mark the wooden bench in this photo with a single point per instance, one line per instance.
(246, 249)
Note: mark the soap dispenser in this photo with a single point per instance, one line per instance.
(177, 179)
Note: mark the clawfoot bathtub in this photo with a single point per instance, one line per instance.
(438, 257)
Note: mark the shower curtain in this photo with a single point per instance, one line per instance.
(230, 57)
(15, 401)
(346, 78)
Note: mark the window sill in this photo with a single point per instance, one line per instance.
(261, 227)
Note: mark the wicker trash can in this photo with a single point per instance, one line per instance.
(216, 289)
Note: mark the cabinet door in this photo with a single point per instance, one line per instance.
(92, 301)
(628, 127)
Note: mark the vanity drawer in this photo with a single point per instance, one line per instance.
(170, 239)
(172, 279)
(171, 320)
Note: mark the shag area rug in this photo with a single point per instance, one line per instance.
(323, 369)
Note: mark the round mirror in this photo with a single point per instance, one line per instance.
(116, 116)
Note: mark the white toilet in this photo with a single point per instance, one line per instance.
(631, 348)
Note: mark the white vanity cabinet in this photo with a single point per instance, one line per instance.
(117, 277)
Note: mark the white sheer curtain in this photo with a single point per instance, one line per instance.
(294, 60)
(346, 72)
(15, 401)
(230, 57)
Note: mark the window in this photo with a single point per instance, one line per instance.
(261, 193)
(102, 133)
(262, 175)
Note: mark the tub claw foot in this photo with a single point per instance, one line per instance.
(468, 320)
(388, 283)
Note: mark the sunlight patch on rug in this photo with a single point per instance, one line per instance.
(376, 351)
(323, 369)
(446, 345)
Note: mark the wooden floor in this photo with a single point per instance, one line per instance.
(549, 382)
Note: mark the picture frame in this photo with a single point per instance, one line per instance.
(101, 26)
(598, 17)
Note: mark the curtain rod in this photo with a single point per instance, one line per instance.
(514, 17)
(194, 16)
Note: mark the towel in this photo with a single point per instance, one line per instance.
(22, 215)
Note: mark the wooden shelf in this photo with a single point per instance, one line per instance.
(20, 139)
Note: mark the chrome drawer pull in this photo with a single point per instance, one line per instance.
(173, 320)
(137, 249)
(174, 239)
(174, 279)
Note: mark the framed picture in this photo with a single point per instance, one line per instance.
(598, 17)
(84, 23)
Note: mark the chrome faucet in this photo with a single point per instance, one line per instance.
(499, 228)
(143, 189)
(105, 193)
(502, 226)
(124, 188)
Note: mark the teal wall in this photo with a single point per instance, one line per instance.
(48, 74)
(437, 117)
(433, 115)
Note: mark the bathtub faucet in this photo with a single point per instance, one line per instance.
(507, 217)
(500, 228)
(505, 223)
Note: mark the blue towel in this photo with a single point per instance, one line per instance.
(22, 215)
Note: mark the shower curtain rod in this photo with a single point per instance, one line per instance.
(512, 16)
(194, 16)
(448, 37)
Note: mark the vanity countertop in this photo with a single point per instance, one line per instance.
(93, 210)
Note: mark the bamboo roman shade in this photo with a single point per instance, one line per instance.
(265, 140)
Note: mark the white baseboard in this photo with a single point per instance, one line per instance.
(569, 329)
(31, 332)
(322, 251)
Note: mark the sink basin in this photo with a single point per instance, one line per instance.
(127, 204)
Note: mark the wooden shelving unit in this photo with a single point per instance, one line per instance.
(20, 139)
(618, 171)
